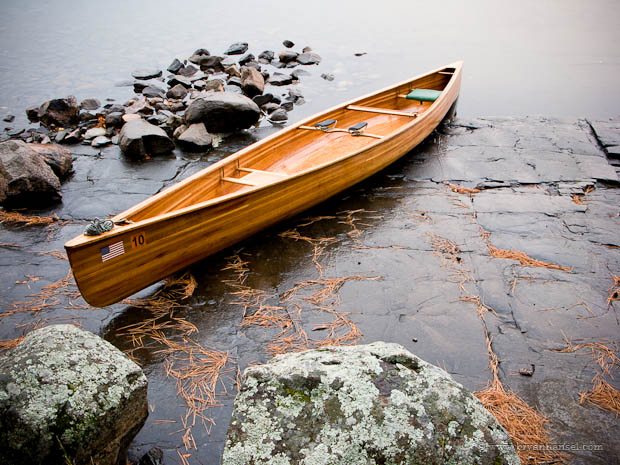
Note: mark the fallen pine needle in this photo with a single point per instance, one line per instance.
(16, 218)
(523, 258)
(602, 395)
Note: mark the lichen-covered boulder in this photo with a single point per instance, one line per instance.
(372, 404)
(68, 396)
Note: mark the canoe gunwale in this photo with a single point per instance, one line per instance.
(86, 241)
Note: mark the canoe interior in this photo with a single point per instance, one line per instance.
(295, 150)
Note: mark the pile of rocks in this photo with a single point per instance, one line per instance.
(203, 94)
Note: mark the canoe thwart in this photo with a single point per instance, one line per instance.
(382, 111)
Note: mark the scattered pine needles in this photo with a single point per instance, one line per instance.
(524, 259)
(602, 395)
(604, 353)
(16, 218)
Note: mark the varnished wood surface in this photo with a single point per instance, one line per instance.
(258, 186)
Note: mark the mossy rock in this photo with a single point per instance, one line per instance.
(68, 396)
(372, 404)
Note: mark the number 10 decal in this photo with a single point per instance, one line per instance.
(138, 240)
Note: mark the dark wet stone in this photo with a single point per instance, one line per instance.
(252, 82)
(246, 59)
(223, 112)
(175, 66)
(287, 105)
(262, 99)
(184, 81)
(157, 119)
(86, 116)
(266, 57)
(309, 58)
(328, 76)
(72, 137)
(287, 56)
(201, 51)
(141, 106)
(211, 62)
(145, 74)
(114, 119)
(279, 115)
(139, 138)
(215, 85)
(60, 112)
(298, 73)
(288, 44)
(153, 91)
(26, 180)
(195, 138)
(9, 118)
(188, 70)
(269, 107)
(32, 113)
(233, 70)
(280, 79)
(90, 104)
(234, 81)
(238, 48)
(100, 141)
(179, 91)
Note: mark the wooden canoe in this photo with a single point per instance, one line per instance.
(266, 182)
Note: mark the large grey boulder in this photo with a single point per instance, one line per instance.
(139, 138)
(68, 396)
(195, 138)
(223, 112)
(372, 404)
(26, 180)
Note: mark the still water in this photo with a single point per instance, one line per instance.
(555, 58)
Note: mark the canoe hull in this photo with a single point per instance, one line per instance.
(148, 251)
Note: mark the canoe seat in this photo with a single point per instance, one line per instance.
(423, 95)
(255, 177)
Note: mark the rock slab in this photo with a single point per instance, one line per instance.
(68, 396)
(372, 404)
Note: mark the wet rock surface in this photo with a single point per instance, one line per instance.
(68, 395)
(371, 404)
(543, 186)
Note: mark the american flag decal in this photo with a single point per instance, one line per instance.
(113, 250)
